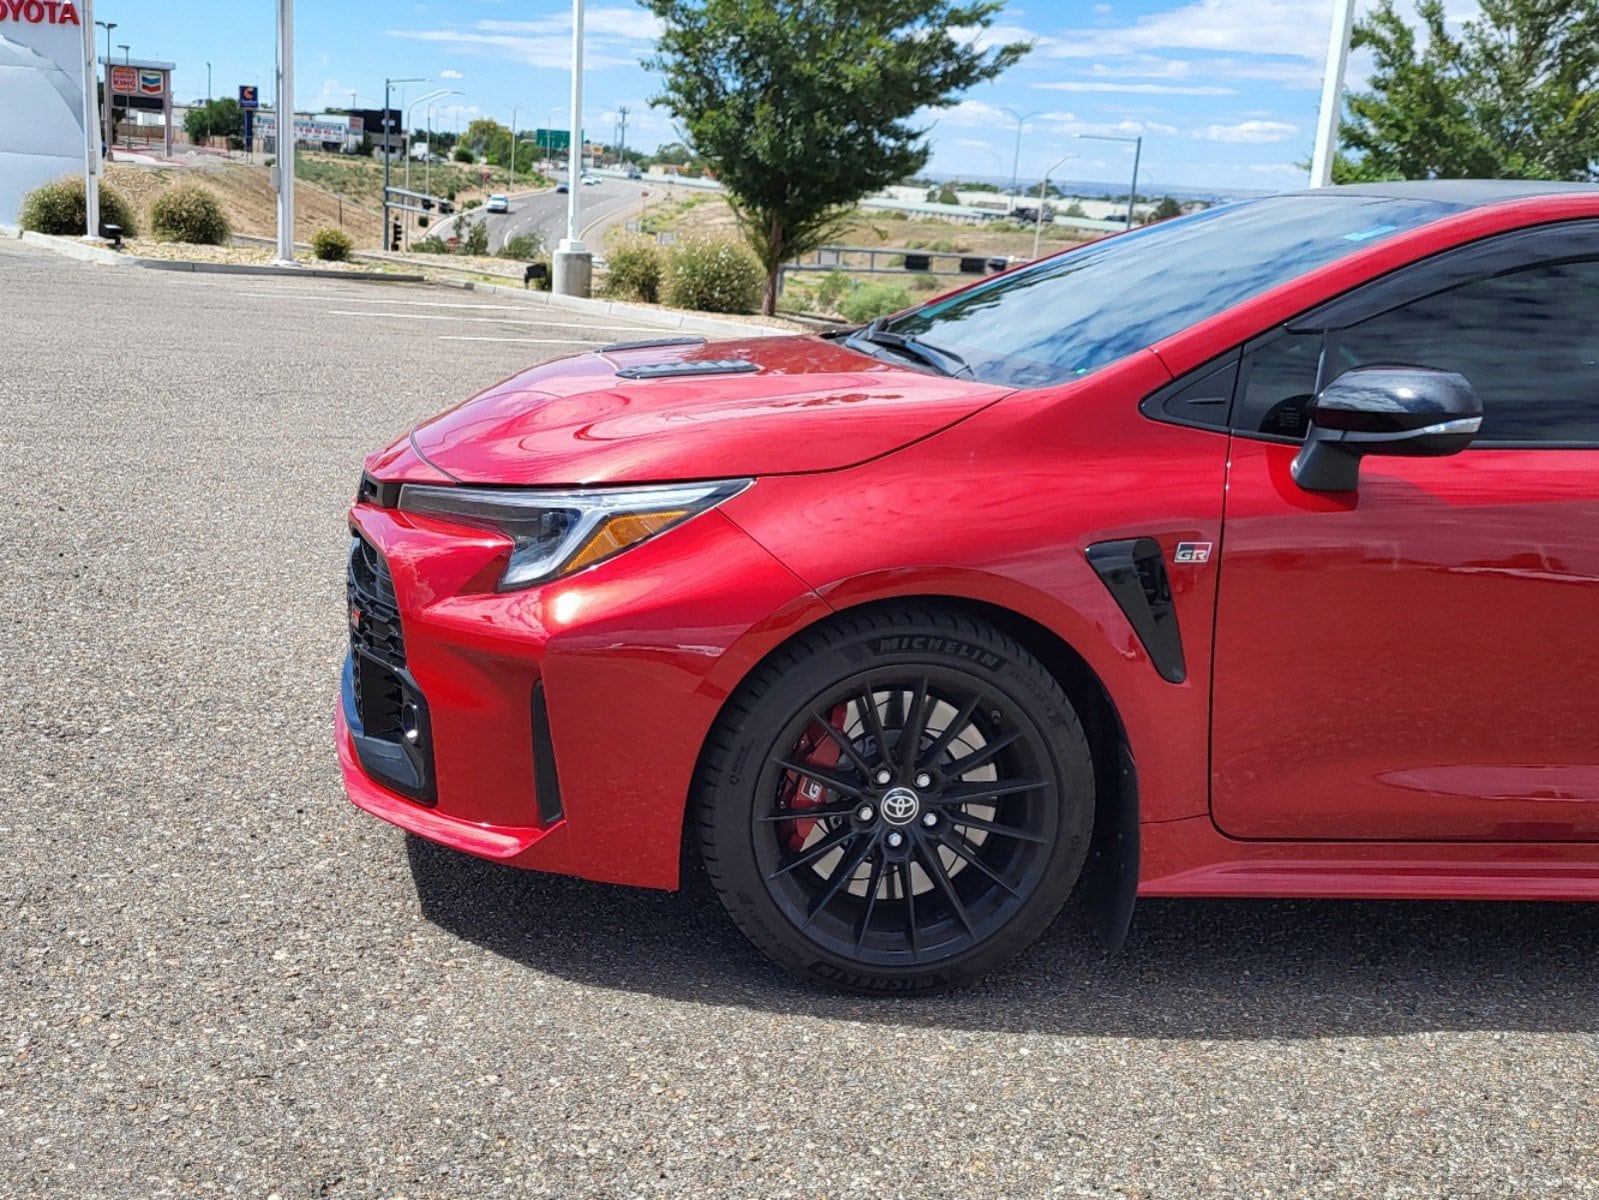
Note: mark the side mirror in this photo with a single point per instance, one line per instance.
(1408, 411)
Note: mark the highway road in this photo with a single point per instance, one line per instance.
(544, 213)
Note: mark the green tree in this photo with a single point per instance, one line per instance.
(802, 107)
(1514, 95)
(214, 118)
(1166, 210)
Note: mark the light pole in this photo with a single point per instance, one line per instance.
(92, 165)
(621, 141)
(1138, 150)
(285, 102)
(427, 159)
(514, 109)
(1043, 188)
(110, 101)
(1332, 94)
(126, 61)
(574, 265)
(208, 83)
(1016, 159)
(388, 150)
(409, 108)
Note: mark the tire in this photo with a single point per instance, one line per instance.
(846, 860)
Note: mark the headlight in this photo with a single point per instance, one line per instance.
(556, 533)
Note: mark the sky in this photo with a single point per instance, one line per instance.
(1224, 92)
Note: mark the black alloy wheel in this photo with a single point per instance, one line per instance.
(920, 805)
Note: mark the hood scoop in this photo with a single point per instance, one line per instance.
(705, 366)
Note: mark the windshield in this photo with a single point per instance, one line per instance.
(1072, 314)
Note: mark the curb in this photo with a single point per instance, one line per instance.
(98, 254)
(664, 319)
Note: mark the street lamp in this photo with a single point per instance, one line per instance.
(208, 83)
(572, 262)
(514, 109)
(1016, 160)
(427, 161)
(123, 46)
(388, 148)
(1138, 150)
(409, 108)
(109, 99)
(1043, 188)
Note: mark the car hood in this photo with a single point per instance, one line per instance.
(810, 405)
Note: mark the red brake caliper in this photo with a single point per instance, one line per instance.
(802, 792)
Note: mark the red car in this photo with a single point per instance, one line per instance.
(1254, 553)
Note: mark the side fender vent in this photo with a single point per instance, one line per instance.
(706, 366)
(1134, 571)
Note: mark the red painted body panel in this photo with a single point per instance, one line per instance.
(813, 406)
(1413, 660)
(878, 482)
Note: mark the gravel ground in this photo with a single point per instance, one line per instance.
(219, 978)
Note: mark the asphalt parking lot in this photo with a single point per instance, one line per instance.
(218, 978)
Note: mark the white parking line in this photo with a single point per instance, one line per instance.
(572, 341)
(393, 316)
(386, 300)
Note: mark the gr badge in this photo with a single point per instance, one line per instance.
(1192, 552)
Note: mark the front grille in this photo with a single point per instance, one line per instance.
(389, 715)
(374, 611)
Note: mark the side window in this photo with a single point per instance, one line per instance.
(1277, 383)
(1527, 341)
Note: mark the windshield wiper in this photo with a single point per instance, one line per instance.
(945, 362)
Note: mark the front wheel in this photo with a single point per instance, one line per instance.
(899, 801)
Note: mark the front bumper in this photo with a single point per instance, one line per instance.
(621, 668)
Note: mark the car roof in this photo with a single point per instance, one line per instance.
(1470, 193)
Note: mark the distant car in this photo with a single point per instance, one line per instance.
(634, 173)
(498, 203)
(590, 180)
(561, 187)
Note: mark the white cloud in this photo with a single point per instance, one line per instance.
(971, 143)
(449, 74)
(1253, 133)
(1139, 89)
(613, 37)
(969, 114)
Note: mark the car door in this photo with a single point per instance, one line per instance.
(1416, 659)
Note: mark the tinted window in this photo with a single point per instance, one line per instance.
(1069, 315)
(1528, 341)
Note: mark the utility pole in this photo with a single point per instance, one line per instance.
(621, 147)
(285, 164)
(574, 265)
(208, 83)
(1332, 93)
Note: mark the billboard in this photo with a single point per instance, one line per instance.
(42, 54)
(311, 129)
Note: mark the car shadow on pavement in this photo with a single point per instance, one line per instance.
(1190, 969)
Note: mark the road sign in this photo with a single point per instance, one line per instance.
(553, 140)
(249, 96)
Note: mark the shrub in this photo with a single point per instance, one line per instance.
(873, 300)
(471, 204)
(331, 245)
(633, 270)
(524, 247)
(463, 155)
(189, 213)
(473, 237)
(834, 284)
(60, 208)
(711, 275)
(432, 244)
(924, 281)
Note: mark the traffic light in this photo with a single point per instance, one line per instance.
(427, 203)
(445, 208)
(394, 236)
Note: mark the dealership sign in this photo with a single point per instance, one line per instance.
(39, 12)
(42, 58)
(310, 129)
